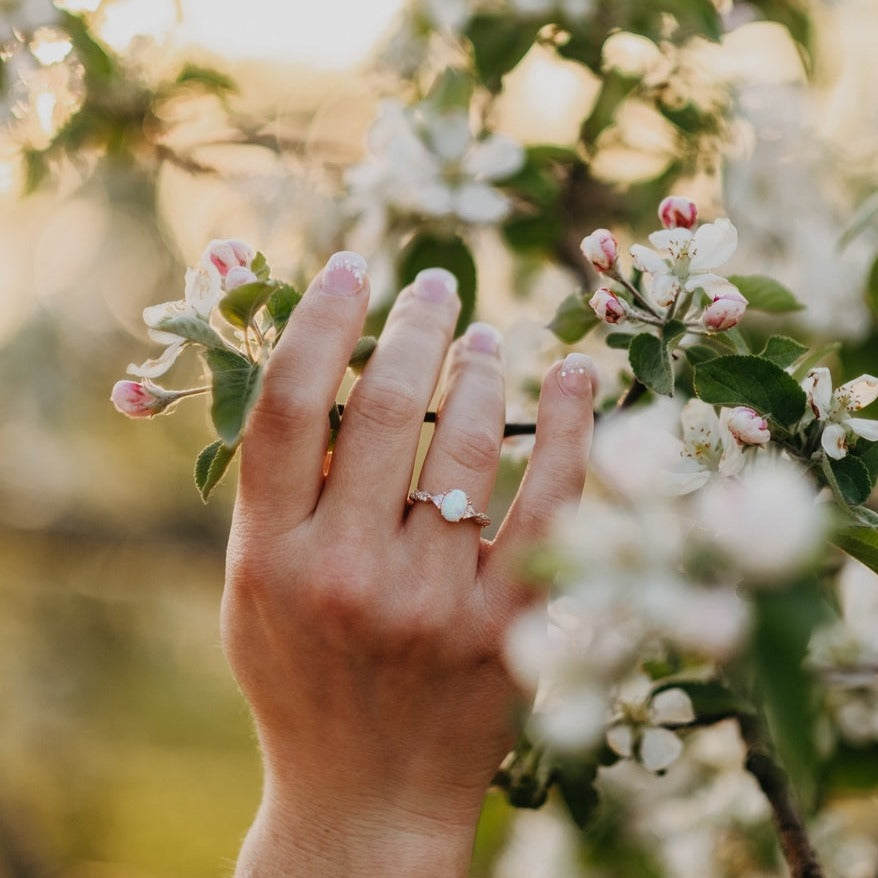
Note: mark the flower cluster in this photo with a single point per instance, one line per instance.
(833, 409)
(680, 280)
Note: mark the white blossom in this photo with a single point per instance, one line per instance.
(834, 409)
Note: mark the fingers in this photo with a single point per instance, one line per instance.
(465, 450)
(557, 468)
(384, 414)
(285, 441)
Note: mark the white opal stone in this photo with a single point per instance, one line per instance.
(453, 505)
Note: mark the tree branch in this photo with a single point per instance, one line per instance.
(775, 784)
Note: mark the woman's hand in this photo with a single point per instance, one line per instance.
(367, 633)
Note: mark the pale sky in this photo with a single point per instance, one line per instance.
(329, 34)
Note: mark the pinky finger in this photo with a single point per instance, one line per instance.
(556, 473)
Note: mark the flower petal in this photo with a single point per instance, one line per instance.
(621, 739)
(834, 441)
(672, 241)
(818, 386)
(479, 203)
(672, 706)
(159, 365)
(712, 245)
(659, 748)
(863, 427)
(648, 260)
(858, 393)
(494, 158)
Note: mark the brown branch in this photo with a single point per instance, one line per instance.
(775, 784)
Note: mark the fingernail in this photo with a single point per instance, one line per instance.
(575, 374)
(482, 337)
(435, 284)
(344, 274)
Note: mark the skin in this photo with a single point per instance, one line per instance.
(367, 633)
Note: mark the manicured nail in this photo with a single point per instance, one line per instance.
(483, 337)
(435, 284)
(344, 274)
(575, 374)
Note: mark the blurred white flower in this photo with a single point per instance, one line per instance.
(426, 161)
(571, 9)
(834, 408)
(766, 522)
(639, 730)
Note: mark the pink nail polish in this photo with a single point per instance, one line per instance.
(483, 337)
(435, 284)
(575, 374)
(344, 274)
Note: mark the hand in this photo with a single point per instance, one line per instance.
(366, 633)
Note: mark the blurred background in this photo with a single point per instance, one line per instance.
(134, 131)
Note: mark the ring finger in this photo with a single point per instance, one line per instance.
(465, 449)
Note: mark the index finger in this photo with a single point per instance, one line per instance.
(286, 437)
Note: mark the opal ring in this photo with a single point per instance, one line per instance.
(453, 505)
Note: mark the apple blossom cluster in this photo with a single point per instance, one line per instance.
(425, 160)
(625, 589)
(680, 281)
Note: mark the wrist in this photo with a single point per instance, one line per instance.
(362, 838)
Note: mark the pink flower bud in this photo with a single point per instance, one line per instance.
(676, 212)
(608, 306)
(226, 254)
(748, 426)
(601, 249)
(724, 312)
(238, 276)
(138, 400)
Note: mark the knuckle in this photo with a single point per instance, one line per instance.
(387, 402)
(283, 408)
(475, 449)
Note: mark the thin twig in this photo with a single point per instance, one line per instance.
(775, 784)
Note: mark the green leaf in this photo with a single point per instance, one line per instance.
(499, 42)
(853, 479)
(209, 79)
(784, 621)
(533, 232)
(754, 382)
(240, 305)
(860, 543)
(573, 319)
(194, 329)
(852, 769)
(453, 89)
(362, 351)
(614, 90)
(428, 251)
(576, 781)
(211, 466)
(96, 60)
(872, 289)
(651, 364)
(260, 267)
(236, 384)
(281, 303)
(782, 350)
(765, 294)
(620, 341)
(867, 452)
(650, 357)
(699, 353)
(711, 700)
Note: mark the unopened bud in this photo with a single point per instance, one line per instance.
(608, 306)
(601, 249)
(677, 212)
(724, 312)
(226, 254)
(748, 426)
(140, 400)
(238, 276)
